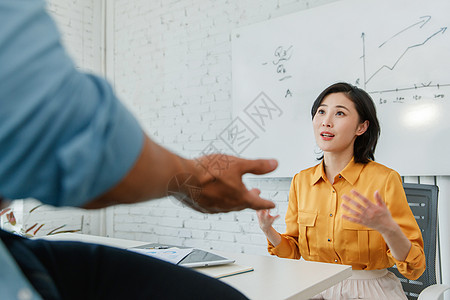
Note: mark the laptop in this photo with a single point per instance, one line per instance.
(196, 258)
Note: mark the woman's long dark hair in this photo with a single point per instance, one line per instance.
(365, 144)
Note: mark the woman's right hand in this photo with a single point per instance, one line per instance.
(265, 219)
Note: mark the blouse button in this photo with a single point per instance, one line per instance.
(331, 215)
(329, 240)
(340, 176)
(334, 191)
(336, 260)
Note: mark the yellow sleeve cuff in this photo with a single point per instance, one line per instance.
(288, 248)
(414, 264)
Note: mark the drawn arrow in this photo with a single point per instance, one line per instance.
(425, 21)
(363, 36)
(442, 30)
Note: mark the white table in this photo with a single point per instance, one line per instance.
(272, 278)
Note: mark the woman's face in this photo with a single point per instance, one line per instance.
(336, 124)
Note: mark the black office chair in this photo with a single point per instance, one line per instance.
(423, 201)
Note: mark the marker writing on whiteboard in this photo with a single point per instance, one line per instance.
(282, 56)
(281, 60)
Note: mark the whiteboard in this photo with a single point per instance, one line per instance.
(398, 51)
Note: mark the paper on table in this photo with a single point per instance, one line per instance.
(173, 255)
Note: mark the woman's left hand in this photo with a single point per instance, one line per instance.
(374, 215)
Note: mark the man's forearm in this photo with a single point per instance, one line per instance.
(210, 184)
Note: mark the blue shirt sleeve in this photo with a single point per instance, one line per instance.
(64, 136)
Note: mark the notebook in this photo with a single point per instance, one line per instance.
(224, 270)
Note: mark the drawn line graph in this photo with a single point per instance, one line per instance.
(442, 30)
(423, 20)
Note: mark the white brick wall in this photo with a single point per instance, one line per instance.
(79, 24)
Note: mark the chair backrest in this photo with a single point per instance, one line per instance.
(422, 200)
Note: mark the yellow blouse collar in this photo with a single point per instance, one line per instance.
(350, 173)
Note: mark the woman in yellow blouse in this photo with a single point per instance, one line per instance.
(349, 209)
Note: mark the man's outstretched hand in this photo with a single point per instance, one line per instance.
(215, 184)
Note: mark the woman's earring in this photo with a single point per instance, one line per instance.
(317, 151)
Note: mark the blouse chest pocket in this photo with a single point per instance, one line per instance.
(307, 233)
(363, 239)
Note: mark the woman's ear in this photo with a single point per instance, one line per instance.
(362, 128)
